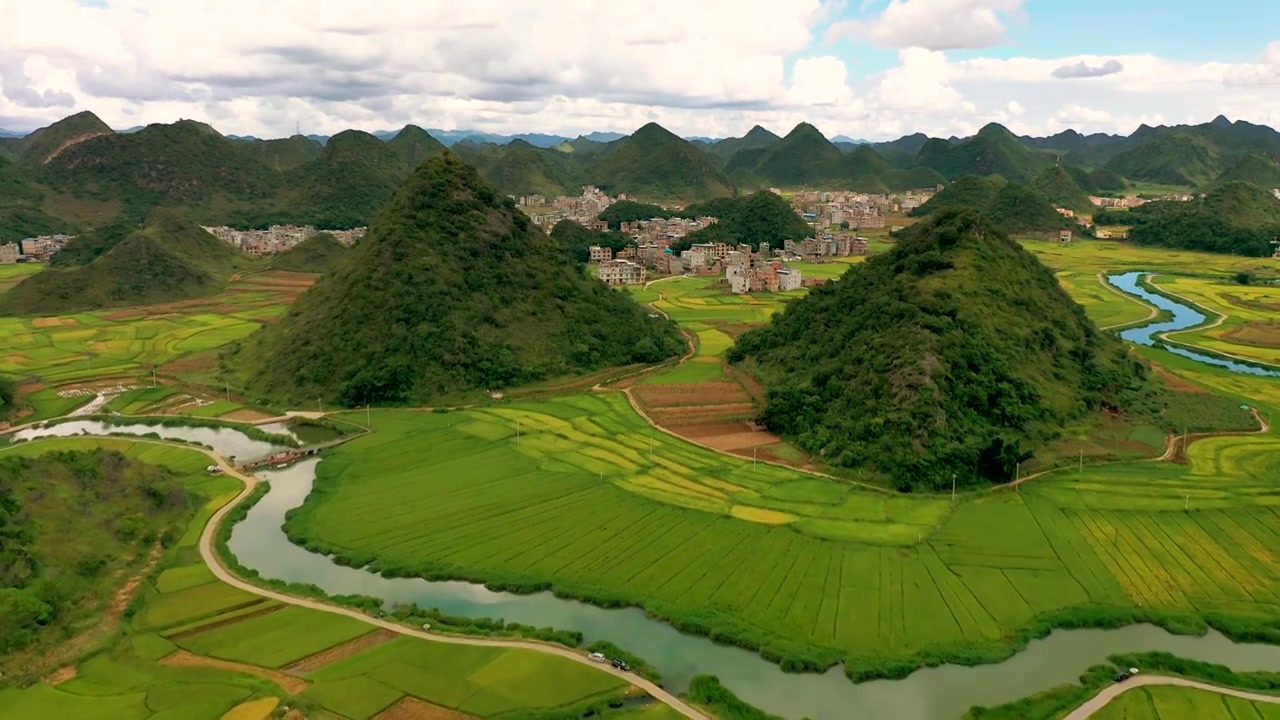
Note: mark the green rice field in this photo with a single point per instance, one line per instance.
(182, 607)
(1166, 702)
(785, 559)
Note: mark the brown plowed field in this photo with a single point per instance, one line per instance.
(411, 708)
(717, 392)
(727, 437)
(702, 414)
(337, 652)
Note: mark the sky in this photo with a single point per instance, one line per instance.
(872, 69)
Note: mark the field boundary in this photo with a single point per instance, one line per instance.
(1111, 692)
(1221, 318)
(1154, 311)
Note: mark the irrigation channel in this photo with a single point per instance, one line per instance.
(928, 694)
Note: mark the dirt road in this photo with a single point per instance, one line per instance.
(1100, 700)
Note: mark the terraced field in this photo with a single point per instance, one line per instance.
(196, 649)
(1250, 328)
(781, 559)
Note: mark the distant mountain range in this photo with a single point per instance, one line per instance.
(341, 181)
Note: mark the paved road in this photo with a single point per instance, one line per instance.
(1100, 700)
(211, 559)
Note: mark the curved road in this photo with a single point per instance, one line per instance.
(1100, 700)
(211, 559)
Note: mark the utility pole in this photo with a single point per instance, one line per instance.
(368, 419)
(517, 432)
(228, 388)
(153, 377)
(953, 487)
(1187, 505)
(320, 404)
(1081, 461)
(650, 447)
(753, 456)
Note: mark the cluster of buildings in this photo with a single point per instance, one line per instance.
(33, 249)
(858, 211)
(582, 209)
(277, 238)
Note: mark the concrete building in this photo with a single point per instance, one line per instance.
(599, 254)
(8, 253)
(789, 280)
(621, 272)
(1064, 236)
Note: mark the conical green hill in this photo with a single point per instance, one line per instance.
(452, 292)
(957, 352)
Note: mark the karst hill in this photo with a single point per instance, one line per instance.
(453, 290)
(955, 352)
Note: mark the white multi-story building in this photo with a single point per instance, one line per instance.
(8, 253)
(621, 272)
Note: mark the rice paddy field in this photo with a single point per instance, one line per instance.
(1250, 316)
(1167, 702)
(131, 341)
(593, 501)
(11, 275)
(196, 649)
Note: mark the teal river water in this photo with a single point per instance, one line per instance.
(930, 694)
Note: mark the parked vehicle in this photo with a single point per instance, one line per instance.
(597, 657)
(1126, 674)
(621, 665)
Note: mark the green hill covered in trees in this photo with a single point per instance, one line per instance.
(1060, 186)
(577, 239)
(319, 253)
(22, 201)
(992, 151)
(756, 138)
(955, 352)
(1010, 206)
(752, 219)
(1238, 218)
(452, 291)
(655, 164)
(167, 259)
(413, 145)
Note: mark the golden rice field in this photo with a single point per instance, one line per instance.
(1250, 324)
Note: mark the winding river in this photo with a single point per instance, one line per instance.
(1183, 317)
(929, 694)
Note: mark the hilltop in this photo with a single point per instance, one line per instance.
(167, 259)
(993, 151)
(345, 186)
(755, 139)
(1171, 159)
(1256, 168)
(286, 153)
(43, 145)
(413, 145)
(519, 168)
(1010, 206)
(654, 163)
(319, 253)
(406, 317)
(803, 157)
(955, 352)
(1238, 218)
(1059, 185)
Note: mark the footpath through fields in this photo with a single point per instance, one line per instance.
(222, 574)
(1100, 700)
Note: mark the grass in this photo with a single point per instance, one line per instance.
(770, 558)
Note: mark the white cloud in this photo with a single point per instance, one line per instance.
(819, 81)
(1015, 108)
(934, 24)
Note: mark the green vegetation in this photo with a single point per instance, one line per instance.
(41, 145)
(631, 211)
(413, 145)
(89, 246)
(1011, 207)
(654, 163)
(1060, 187)
(319, 253)
(1237, 218)
(407, 318)
(285, 154)
(519, 168)
(751, 219)
(803, 157)
(1256, 168)
(8, 398)
(140, 673)
(707, 692)
(69, 523)
(167, 259)
(21, 205)
(577, 240)
(979, 359)
(756, 138)
(992, 151)
(344, 188)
